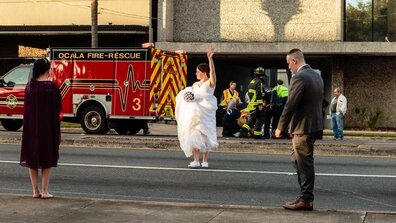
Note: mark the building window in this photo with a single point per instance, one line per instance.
(370, 20)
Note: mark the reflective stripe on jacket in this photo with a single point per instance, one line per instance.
(255, 93)
(227, 96)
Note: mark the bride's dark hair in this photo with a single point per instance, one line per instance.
(204, 67)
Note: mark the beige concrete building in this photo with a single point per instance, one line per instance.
(249, 33)
(244, 33)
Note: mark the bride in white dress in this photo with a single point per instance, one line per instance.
(196, 115)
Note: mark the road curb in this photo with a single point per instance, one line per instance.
(238, 146)
(234, 145)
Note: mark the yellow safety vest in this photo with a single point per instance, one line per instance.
(227, 97)
(281, 91)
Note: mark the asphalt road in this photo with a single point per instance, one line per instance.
(342, 183)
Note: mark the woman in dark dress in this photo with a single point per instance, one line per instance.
(41, 127)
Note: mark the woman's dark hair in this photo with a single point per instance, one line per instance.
(40, 66)
(204, 67)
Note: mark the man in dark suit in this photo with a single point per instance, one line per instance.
(303, 110)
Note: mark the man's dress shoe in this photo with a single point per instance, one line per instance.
(299, 205)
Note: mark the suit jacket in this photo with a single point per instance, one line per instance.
(303, 109)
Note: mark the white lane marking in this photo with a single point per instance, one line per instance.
(211, 170)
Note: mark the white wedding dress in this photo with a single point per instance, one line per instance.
(196, 120)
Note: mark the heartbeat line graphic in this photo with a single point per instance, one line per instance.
(135, 85)
(108, 84)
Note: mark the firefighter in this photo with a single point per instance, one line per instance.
(256, 106)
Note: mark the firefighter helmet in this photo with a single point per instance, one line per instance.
(259, 71)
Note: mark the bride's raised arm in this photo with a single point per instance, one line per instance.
(212, 74)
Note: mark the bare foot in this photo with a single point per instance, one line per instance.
(46, 196)
(37, 195)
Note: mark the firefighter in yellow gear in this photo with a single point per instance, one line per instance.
(228, 95)
(256, 106)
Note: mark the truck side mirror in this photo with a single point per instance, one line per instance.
(2, 83)
(11, 84)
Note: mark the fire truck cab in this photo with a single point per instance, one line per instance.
(103, 88)
(12, 92)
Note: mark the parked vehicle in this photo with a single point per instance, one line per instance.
(103, 88)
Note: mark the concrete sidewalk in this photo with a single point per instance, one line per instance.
(16, 208)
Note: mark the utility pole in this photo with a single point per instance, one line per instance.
(94, 23)
(151, 21)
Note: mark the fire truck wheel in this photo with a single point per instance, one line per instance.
(11, 124)
(93, 121)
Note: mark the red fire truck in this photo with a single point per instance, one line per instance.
(103, 88)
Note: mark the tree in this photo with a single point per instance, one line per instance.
(358, 22)
(381, 17)
(391, 21)
(362, 25)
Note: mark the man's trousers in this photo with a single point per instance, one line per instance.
(303, 161)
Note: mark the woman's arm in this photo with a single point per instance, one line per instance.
(212, 75)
